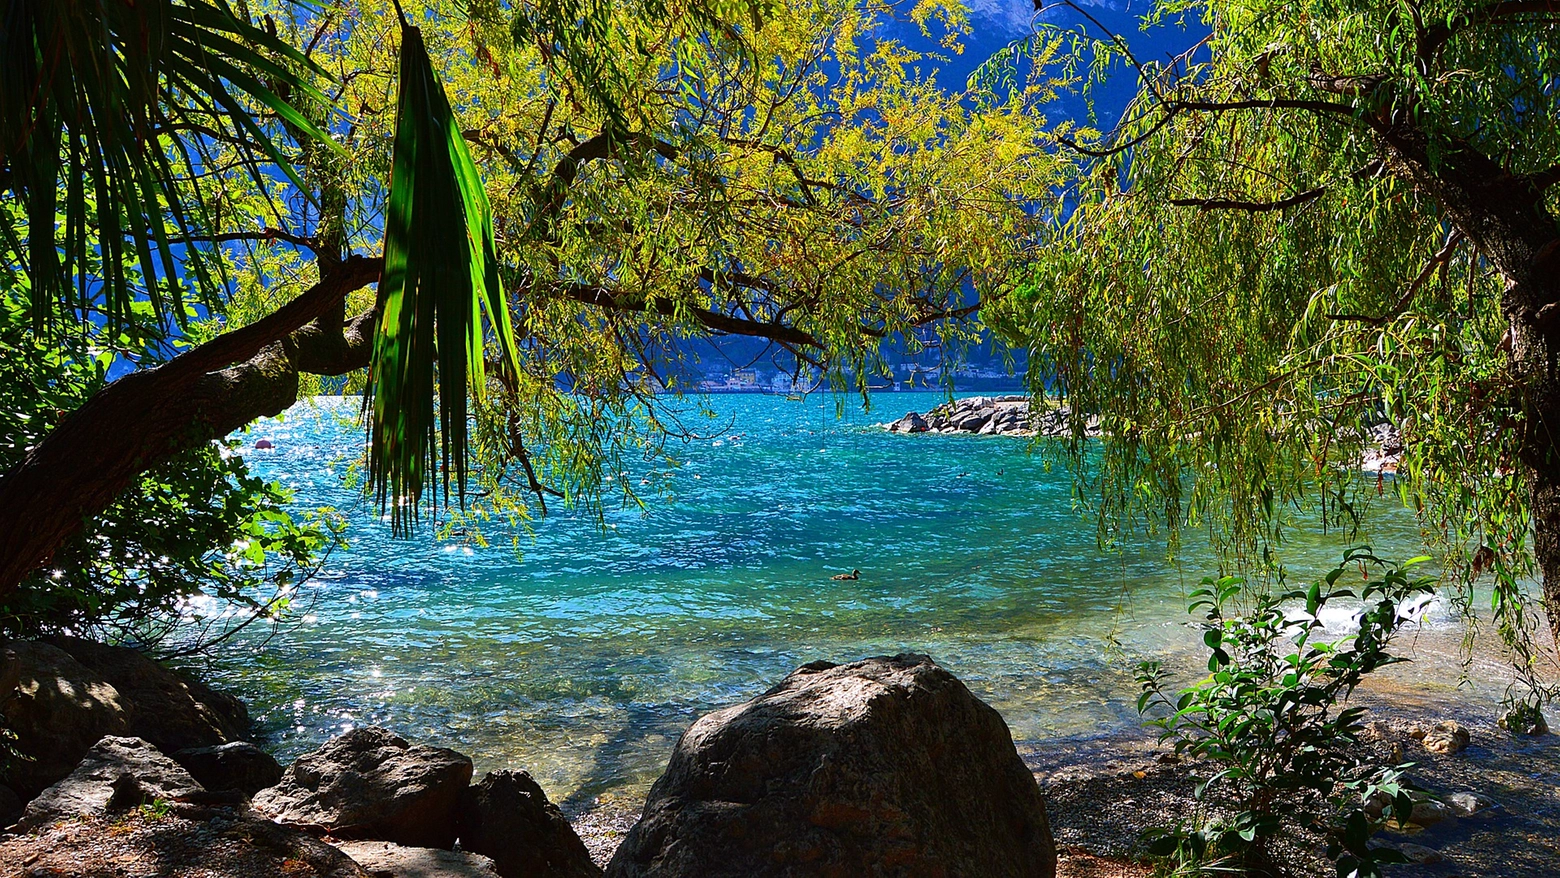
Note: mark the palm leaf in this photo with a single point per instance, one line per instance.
(108, 85)
(440, 270)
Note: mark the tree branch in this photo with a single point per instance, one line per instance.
(1441, 257)
(240, 344)
(1206, 204)
(604, 298)
(268, 234)
(147, 416)
(1314, 106)
(1174, 108)
(1435, 38)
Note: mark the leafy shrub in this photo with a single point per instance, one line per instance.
(200, 524)
(1270, 718)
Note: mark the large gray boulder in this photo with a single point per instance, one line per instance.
(236, 765)
(116, 775)
(883, 767)
(166, 708)
(58, 709)
(62, 695)
(369, 783)
(507, 816)
(912, 422)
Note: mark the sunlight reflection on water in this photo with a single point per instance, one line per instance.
(583, 659)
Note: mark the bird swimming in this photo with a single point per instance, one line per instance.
(846, 577)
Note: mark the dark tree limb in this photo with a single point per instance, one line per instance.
(266, 235)
(1349, 86)
(778, 332)
(1441, 258)
(147, 416)
(1206, 204)
(354, 273)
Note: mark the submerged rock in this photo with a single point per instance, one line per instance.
(238, 765)
(883, 767)
(369, 783)
(1429, 812)
(116, 775)
(1418, 853)
(1446, 738)
(507, 816)
(1467, 804)
(1524, 719)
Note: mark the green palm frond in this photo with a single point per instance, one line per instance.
(440, 270)
(105, 107)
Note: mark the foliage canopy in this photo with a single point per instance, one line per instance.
(1276, 251)
(797, 178)
(656, 174)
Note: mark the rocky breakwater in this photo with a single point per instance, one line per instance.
(992, 415)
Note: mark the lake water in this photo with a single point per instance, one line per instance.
(584, 658)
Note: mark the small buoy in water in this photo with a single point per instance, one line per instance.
(264, 445)
(846, 577)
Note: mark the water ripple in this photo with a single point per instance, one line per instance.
(584, 657)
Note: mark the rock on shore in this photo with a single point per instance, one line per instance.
(992, 415)
(117, 774)
(63, 695)
(887, 766)
(370, 783)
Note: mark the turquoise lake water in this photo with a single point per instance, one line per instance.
(582, 660)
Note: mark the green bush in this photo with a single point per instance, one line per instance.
(1269, 719)
(199, 524)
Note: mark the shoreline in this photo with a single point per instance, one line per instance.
(1103, 788)
(1102, 791)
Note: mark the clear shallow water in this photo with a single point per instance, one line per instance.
(582, 660)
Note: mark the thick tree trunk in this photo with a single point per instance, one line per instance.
(1545, 489)
(1533, 352)
(147, 416)
(1505, 216)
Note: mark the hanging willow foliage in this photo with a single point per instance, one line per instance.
(440, 269)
